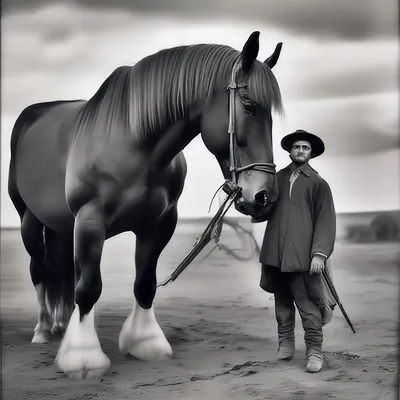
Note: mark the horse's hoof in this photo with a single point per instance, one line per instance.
(80, 354)
(86, 375)
(41, 336)
(150, 349)
(142, 337)
(83, 363)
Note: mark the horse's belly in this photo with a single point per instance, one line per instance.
(40, 174)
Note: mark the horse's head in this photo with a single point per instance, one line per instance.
(237, 128)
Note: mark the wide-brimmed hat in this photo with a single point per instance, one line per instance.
(317, 145)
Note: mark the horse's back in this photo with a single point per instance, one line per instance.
(40, 145)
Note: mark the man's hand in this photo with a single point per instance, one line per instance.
(317, 265)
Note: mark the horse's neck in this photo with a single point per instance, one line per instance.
(174, 140)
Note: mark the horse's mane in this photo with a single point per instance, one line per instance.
(145, 99)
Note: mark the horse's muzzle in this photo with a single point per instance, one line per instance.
(258, 208)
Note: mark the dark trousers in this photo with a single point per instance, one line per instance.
(300, 289)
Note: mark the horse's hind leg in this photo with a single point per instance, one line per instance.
(60, 278)
(141, 336)
(33, 238)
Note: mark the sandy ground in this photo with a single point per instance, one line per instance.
(221, 326)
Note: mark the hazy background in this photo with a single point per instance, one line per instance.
(338, 74)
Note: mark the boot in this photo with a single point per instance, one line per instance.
(286, 351)
(314, 361)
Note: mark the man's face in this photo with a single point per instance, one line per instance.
(301, 152)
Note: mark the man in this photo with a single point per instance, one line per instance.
(298, 240)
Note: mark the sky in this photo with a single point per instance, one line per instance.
(338, 74)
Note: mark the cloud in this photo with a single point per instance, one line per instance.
(349, 126)
(337, 69)
(321, 19)
(63, 40)
(328, 86)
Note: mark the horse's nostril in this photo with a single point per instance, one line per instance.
(261, 197)
(241, 206)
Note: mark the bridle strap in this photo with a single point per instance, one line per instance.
(233, 87)
(264, 167)
(234, 168)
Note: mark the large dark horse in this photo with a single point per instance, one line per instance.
(84, 171)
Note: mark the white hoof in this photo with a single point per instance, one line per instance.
(41, 335)
(142, 337)
(80, 355)
(83, 364)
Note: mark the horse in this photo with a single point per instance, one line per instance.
(83, 171)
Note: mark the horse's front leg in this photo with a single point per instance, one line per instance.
(141, 336)
(80, 354)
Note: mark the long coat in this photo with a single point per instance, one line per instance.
(303, 222)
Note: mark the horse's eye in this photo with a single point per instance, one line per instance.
(250, 108)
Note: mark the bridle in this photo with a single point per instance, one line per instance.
(235, 166)
(230, 187)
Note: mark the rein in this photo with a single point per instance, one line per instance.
(233, 192)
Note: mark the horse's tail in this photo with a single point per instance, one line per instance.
(60, 277)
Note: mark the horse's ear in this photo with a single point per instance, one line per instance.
(250, 51)
(273, 59)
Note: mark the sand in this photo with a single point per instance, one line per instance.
(221, 326)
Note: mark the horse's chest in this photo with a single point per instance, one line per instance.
(135, 206)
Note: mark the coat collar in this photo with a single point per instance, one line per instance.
(305, 169)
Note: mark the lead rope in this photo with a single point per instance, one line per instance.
(232, 191)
